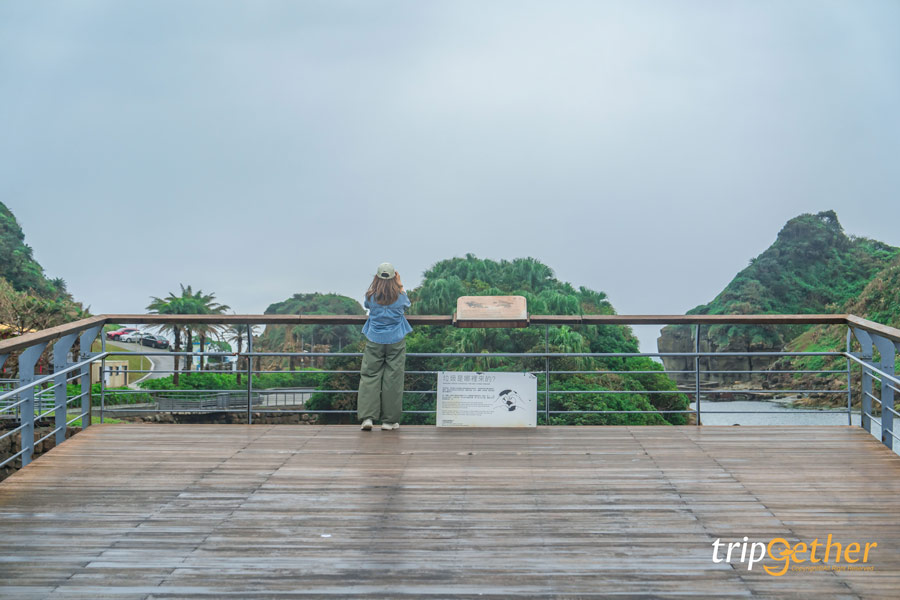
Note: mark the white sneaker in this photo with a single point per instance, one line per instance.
(366, 425)
(389, 426)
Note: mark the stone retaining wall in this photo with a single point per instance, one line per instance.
(231, 417)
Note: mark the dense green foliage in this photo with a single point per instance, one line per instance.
(224, 381)
(197, 381)
(471, 276)
(29, 301)
(109, 396)
(17, 265)
(879, 301)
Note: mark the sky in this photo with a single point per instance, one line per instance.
(261, 149)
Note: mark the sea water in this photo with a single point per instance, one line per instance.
(762, 412)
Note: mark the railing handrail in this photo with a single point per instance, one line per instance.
(45, 335)
(29, 339)
(891, 333)
(872, 367)
(534, 319)
(48, 378)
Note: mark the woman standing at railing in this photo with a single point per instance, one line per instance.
(381, 375)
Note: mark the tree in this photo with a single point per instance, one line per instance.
(237, 333)
(204, 304)
(170, 305)
(187, 303)
(22, 312)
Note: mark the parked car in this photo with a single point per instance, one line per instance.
(154, 341)
(118, 333)
(134, 337)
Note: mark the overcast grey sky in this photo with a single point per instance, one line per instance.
(259, 149)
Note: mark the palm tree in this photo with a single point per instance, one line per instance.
(188, 303)
(198, 303)
(237, 334)
(170, 305)
(205, 304)
(192, 306)
(59, 284)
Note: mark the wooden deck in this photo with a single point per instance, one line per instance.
(279, 511)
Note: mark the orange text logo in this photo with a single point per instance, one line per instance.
(816, 555)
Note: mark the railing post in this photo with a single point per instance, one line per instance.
(103, 376)
(849, 381)
(249, 376)
(865, 355)
(697, 371)
(85, 341)
(61, 349)
(547, 374)
(3, 358)
(27, 361)
(887, 349)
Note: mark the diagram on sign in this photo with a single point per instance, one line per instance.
(510, 400)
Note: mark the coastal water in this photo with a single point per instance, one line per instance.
(759, 412)
(778, 412)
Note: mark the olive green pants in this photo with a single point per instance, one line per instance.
(381, 382)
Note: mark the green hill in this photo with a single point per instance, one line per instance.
(812, 267)
(312, 338)
(29, 300)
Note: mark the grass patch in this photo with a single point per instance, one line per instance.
(95, 421)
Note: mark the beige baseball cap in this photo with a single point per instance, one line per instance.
(385, 271)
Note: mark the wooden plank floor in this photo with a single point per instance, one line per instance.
(280, 511)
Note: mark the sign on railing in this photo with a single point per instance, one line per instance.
(491, 311)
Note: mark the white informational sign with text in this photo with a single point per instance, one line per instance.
(486, 399)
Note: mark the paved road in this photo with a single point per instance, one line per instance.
(160, 363)
(163, 365)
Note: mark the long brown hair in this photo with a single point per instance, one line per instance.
(385, 291)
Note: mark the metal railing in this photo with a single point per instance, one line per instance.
(27, 399)
(30, 400)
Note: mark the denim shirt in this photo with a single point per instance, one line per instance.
(386, 323)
